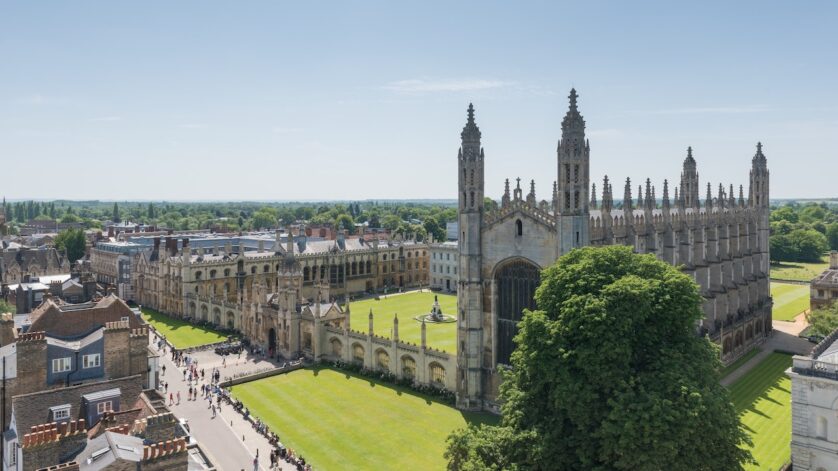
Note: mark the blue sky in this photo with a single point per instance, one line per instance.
(354, 100)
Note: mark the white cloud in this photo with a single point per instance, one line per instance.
(450, 85)
(106, 119)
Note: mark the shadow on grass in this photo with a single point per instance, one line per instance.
(470, 417)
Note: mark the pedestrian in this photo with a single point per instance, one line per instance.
(164, 370)
(171, 399)
(178, 397)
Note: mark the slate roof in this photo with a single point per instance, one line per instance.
(27, 416)
(72, 320)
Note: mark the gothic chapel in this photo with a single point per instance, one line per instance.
(721, 242)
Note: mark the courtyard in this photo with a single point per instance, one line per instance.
(789, 300)
(762, 398)
(179, 333)
(442, 336)
(342, 421)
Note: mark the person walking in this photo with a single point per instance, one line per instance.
(164, 370)
(178, 397)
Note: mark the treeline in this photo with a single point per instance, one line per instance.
(802, 233)
(420, 219)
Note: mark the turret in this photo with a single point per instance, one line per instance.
(759, 179)
(396, 328)
(709, 203)
(689, 181)
(593, 196)
(628, 205)
(607, 197)
(573, 180)
(531, 196)
(504, 200)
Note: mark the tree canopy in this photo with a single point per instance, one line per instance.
(824, 320)
(71, 241)
(609, 374)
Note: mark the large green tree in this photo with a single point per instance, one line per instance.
(609, 374)
(71, 241)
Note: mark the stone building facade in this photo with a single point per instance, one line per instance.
(814, 408)
(19, 264)
(444, 266)
(824, 287)
(212, 285)
(722, 242)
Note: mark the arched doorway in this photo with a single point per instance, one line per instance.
(515, 284)
(272, 342)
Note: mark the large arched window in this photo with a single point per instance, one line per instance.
(516, 283)
(437, 373)
(519, 228)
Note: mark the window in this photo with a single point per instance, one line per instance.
(60, 365)
(253, 270)
(60, 414)
(105, 406)
(91, 361)
(12, 454)
(519, 227)
(820, 293)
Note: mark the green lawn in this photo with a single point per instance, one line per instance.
(796, 271)
(180, 333)
(763, 399)
(739, 362)
(789, 300)
(409, 305)
(339, 421)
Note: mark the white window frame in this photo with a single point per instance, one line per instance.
(62, 365)
(61, 414)
(92, 360)
(104, 406)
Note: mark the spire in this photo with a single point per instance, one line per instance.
(470, 132)
(531, 196)
(731, 197)
(593, 196)
(709, 203)
(517, 192)
(573, 96)
(573, 121)
(648, 200)
(555, 190)
(759, 157)
(689, 161)
(607, 198)
(741, 196)
(627, 195)
(640, 201)
(722, 198)
(504, 200)
(666, 194)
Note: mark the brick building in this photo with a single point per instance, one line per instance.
(70, 364)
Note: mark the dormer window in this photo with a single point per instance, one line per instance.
(60, 413)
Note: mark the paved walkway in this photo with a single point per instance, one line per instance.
(782, 338)
(229, 439)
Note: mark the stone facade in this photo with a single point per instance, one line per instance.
(721, 242)
(824, 288)
(213, 286)
(444, 266)
(814, 408)
(20, 264)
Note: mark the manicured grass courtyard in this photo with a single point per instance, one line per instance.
(797, 271)
(789, 300)
(180, 333)
(408, 305)
(341, 421)
(763, 400)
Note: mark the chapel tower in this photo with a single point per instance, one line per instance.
(759, 201)
(470, 289)
(689, 181)
(573, 182)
